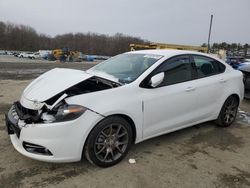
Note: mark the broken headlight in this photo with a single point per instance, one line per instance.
(65, 112)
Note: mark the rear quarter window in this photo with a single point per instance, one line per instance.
(207, 66)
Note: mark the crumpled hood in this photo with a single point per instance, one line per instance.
(53, 82)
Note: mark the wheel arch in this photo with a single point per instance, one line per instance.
(224, 100)
(124, 116)
(219, 120)
(127, 118)
(131, 123)
(233, 95)
(236, 96)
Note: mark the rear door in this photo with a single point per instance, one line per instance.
(210, 85)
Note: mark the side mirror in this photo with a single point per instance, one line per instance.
(157, 79)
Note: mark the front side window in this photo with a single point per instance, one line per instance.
(125, 68)
(178, 69)
(207, 66)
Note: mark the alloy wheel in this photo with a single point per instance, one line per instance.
(111, 143)
(230, 110)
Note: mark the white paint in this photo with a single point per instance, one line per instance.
(154, 111)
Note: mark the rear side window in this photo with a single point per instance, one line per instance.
(177, 70)
(207, 66)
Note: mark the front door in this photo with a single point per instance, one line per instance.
(172, 104)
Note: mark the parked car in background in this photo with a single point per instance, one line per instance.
(98, 57)
(9, 52)
(126, 99)
(85, 57)
(235, 61)
(16, 54)
(245, 62)
(25, 55)
(35, 55)
(44, 53)
(245, 69)
(2, 52)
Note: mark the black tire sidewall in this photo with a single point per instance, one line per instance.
(89, 146)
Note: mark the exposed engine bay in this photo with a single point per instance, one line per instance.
(55, 109)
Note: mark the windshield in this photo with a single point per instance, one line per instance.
(126, 67)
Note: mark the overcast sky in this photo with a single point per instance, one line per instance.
(166, 21)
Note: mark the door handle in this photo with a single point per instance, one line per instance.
(190, 88)
(222, 80)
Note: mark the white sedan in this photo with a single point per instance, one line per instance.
(25, 55)
(65, 114)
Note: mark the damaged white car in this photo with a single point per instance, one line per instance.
(65, 114)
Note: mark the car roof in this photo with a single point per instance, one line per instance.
(167, 52)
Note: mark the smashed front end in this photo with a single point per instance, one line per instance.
(51, 129)
(55, 109)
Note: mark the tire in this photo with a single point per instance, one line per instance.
(108, 142)
(228, 112)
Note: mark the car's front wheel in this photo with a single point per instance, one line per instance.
(108, 142)
(228, 112)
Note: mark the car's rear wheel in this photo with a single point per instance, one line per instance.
(108, 142)
(228, 112)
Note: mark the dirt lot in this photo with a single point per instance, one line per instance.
(23, 68)
(200, 156)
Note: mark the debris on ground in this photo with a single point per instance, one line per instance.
(244, 116)
(132, 161)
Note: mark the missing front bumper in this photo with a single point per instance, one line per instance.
(12, 126)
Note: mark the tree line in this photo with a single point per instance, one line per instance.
(233, 47)
(25, 38)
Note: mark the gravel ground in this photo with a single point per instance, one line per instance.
(199, 156)
(14, 68)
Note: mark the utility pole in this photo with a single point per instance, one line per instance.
(209, 34)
